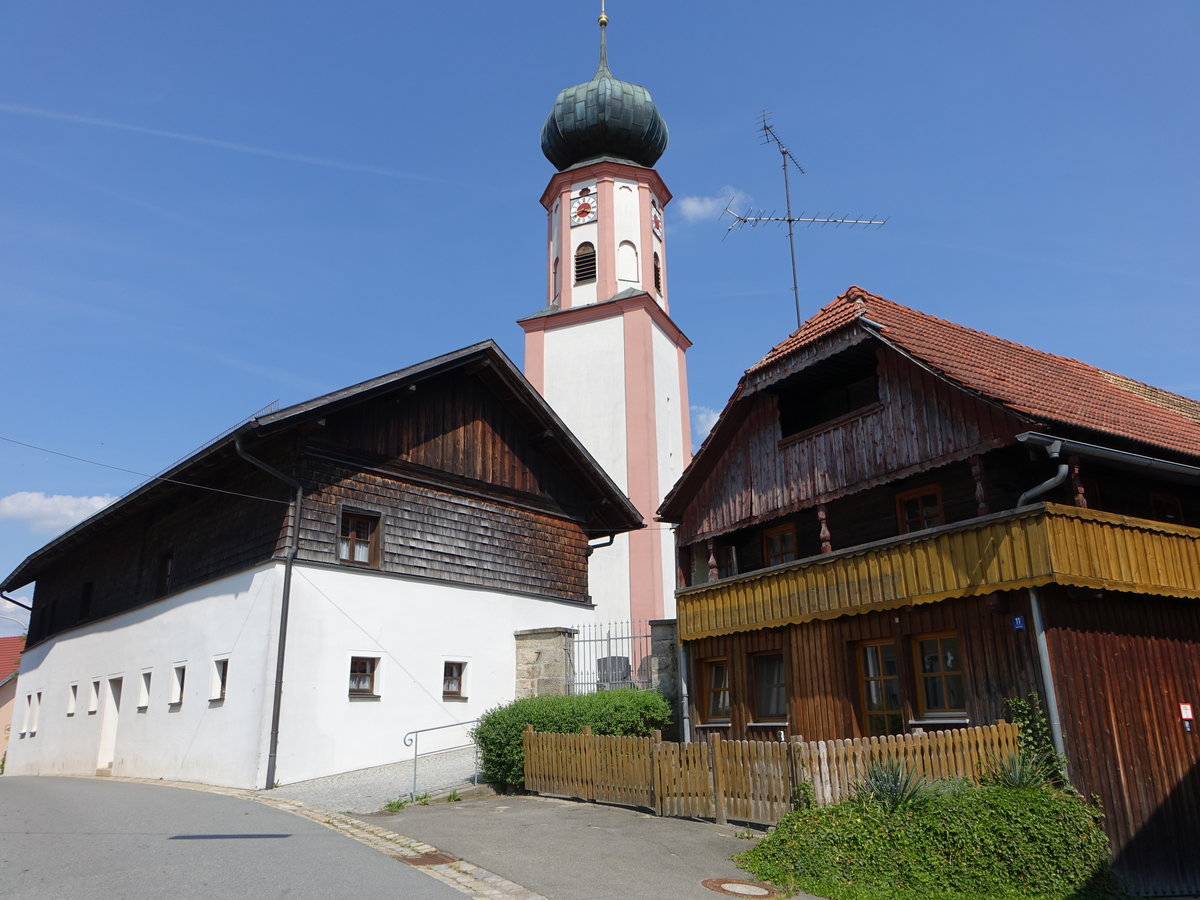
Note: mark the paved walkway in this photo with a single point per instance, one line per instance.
(369, 790)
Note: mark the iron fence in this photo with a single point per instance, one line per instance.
(610, 655)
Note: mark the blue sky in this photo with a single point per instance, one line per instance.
(208, 207)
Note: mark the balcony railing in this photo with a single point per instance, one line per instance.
(1032, 546)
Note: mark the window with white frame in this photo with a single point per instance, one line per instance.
(220, 672)
(94, 698)
(72, 698)
(178, 678)
(144, 691)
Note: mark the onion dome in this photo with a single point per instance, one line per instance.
(604, 117)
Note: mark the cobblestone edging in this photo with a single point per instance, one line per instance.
(466, 877)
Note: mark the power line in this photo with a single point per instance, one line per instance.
(92, 462)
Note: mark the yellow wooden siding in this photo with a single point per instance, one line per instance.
(1042, 545)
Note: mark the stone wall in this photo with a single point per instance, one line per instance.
(544, 661)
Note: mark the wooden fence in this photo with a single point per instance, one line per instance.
(749, 781)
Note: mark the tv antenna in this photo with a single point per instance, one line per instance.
(754, 219)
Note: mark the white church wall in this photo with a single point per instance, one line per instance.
(608, 580)
(672, 455)
(198, 739)
(587, 389)
(412, 628)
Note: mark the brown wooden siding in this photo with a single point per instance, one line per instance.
(920, 423)
(1122, 665)
(821, 663)
(446, 535)
(207, 534)
(457, 426)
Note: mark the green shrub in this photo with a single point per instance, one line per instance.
(1023, 769)
(628, 713)
(966, 842)
(891, 784)
(1034, 738)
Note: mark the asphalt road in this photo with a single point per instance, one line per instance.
(69, 838)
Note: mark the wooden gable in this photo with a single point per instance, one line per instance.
(460, 427)
(755, 472)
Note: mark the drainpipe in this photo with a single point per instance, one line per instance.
(1043, 649)
(284, 603)
(1054, 451)
(685, 719)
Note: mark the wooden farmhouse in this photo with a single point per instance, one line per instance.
(898, 522)
(294, 598)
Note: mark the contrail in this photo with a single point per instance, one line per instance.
(219, 144)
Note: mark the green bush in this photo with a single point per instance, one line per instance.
(628, 713)
(1034, 739)
(969, 842)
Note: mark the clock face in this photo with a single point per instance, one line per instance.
(583, 210)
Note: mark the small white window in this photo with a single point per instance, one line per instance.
(454, 680)
(72, 699)
(178, 676)
(364, 676)
(27, 716)
(94, 698)
(144, 691)
(220, 671)
(37, 713)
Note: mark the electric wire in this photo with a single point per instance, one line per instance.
(92, 462)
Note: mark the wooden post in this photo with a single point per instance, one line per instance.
(589, 764)
(655, 740)
(718, 778)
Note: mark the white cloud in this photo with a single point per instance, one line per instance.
(9, 612)
(50, 513)
(703, 420)
(700, 209)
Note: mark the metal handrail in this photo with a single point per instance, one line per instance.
(412, 739)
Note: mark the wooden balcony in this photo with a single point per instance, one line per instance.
(1029, 547)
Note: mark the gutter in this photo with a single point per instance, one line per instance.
(284, 602)
(1121, 457)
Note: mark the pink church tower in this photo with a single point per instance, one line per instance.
(604, 352)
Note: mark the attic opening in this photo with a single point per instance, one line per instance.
(828, 390)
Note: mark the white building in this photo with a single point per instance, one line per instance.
(604, 351)
(191, 631)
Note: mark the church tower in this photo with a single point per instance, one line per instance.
(604, 351)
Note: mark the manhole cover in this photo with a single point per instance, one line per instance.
(428, 859)
(733, 888)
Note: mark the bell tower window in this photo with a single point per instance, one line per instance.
(585, 263)
(657, 274)
(627, 262)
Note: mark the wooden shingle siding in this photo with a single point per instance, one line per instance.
(920, 423)
(821, 664)
(446, 535)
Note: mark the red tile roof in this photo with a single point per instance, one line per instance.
(10, 655)
(1032, 382)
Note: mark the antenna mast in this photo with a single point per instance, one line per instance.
(754, 219)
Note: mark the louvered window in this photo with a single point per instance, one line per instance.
(585, 263)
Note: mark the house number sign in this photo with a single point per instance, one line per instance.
(1185, 713)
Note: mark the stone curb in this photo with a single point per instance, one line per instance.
(459, 874)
